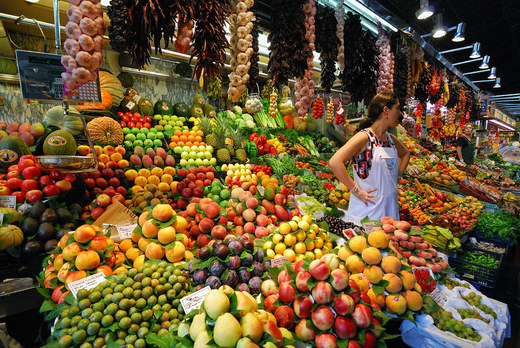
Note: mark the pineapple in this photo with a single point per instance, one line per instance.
(237, 138)
(207, 129)
(223, 155)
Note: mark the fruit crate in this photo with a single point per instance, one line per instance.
(476, 273)
(479, 236)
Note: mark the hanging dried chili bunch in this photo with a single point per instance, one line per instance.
(454, 88)
(209, 40)
(422, 91)
(118, 29)
(402, 73)
(327, 44)
(359, 76)
(289, 49)
(254, 70)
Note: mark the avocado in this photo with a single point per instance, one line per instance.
(37, 209)
(30, 226)
(50, 245)
(49, 215)
(46, 231)
(64, 215)
(32, 248)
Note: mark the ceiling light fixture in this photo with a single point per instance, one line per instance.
(460, 34)
(476, 72)
(467, 61)
(493, 74)
(475, 53)
(32, 1)
(425, 11)
(485, 63)
(439, 30)
(501, 124)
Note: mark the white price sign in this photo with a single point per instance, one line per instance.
(319, 215)
(369, 226)
(8, 201)
(125, 231)
(261, 190)
(194, 300)
(87, 283)
(439, 297)
(278, 262)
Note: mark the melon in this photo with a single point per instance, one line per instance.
(128, 104)
(181, 110)
(56, 117)
(163, 107)
(10, 235)
(11, 149)
(145, 107)
(59, 143)
(112, 84)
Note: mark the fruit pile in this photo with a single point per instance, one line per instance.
(443, 174)
(107, 181)
(409, 243)
(309, 204)
(468, 313)
(127, 119)
(441, 238)
(337, 225)
(444, 321)
(459, 220)
(317, 190)
(262, 145)
(147, 197)
(340, 196)
(235, 262)
(237, 323)
(263, 168)
(29, 133)
(237, 173)
(98, 206)
(297, 239)
(108, 156)
(195, 155)
(317, 108)
(169, 122)
(301, 165)
(476, 301)
(291, 180)
(151, 158)
(191, 185)
(451, 283)
(125, 309)
(322, 305)
(143, 137)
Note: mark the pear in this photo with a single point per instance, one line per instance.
(252, 327)
(269, 345)
(244, 304)
(246, 343)
(227, 331)
(183, 329)
(202, 340)
(216, 303)
(197, 326)
(287, 335)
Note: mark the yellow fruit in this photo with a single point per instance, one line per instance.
(289, 240)
(140, 181)
(358, 244)
(300, 236)
(289, 254)
(131, 174)
(294, 225)
(280, 248)
(284, 228)
(144, 172)
(167, 178)
(318, 242)
(303, 225)
(270, 253)
(157, 172)
(378, 239)
(268, 245)
(163, 187)
(136, 189)
(307, 219)
(310, 255)
(277, 238)
(310, 246)
(154, 180)
(318, 253)
(300, 248)
(311, 234)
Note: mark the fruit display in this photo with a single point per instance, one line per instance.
(309, 204)
(237, 173)
(186, 137)
(475, 300)
(444, 321)
(168, 123)
(144, 137)
(467, 313)
(337, 225)
(451, 283)
(27, 132)
(106, 181)
(150, 157)
(440, 237)
(127, 119)
(108, 156)
(235, 262)
(125, 309)
(145, 197)
(201, 155)
(193, 181)
(340, 196)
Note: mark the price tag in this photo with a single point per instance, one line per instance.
(340, 111)
(319, 215)
(87, 283)
(261, 190)
(194, 300)
(439, 297)
(349, 233)
(369, 226)
(317, 173)
(125, 231)
(280, 155)
(108, 229)
(473, 240)
(278, 262)
(130, 105)
(8, 201)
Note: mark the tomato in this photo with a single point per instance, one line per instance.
(33, 195)
(45, 180)
(51, 190)
(120, 114)
(147, 125)
(70, 177)
(56, 175)
(128, 114)
(4, 191)
(122, 123)
(13, 168)
(136, 114)
(31, 173)
(64, 185)
(14, 183)
(31, 157)
(139, 125)
(147, 119)
(26, 163)
(12, 174)
(28, 185)
(131, 124)
(20, 196)
(125, 118)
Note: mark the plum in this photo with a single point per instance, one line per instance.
(213, 282)
(221, 251)
(243, 238)
(230, 239)
(236, 247)
(247, 260)
(254, 284)
(217, 267)
(204, 253)
(232, 279)
(200, 275)
(248, 244)
(259, 256)
(234, 262)
(245, 275)
(243, 287)
(258, 269)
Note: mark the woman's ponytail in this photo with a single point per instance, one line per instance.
(375, 108)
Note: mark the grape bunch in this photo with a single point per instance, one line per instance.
(467, 313)
(125, 308)
(474, 300)
(450, 283)
(444, 321)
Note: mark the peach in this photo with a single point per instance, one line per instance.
(149, 229)
(394, 283)
(331, 260)
(166, 235)
(345, 328)
(378, 239)
(163, 212)
(301, 281)
(71, 251)
(249, 227)
(355, 264)
(212, 210)
(396, 303)
(388, 228)
(319, 269)
(361, 281)
(72, 277)
(87, 260)
(268, 303)
(261, 232)
(303, 332)
(287, 292)
(252, 203)
(323, 318)
(268, 287)
(322, 292)
(344, 253)
(175, 253)
(378, 299)
(284, 317)
(391, 264)
(358, 244)
(303, 306)
(387, 220)
(326, 340)
(371, 255)
(344, 304)
(143, 244)
(408, 280)
(218, 232)
(340, 279)
(154, 251)
(262, 220)
(135, 237)
(249, 215)
(204, 202)
(143, 217)
(373, 274)
(84, 233)
(105, 269)
(99, 243)
(402, 225)
(413, 299)
(205, 225)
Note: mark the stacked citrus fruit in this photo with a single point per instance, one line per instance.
(161, 178)
(186, 138)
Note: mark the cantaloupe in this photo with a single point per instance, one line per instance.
(10, 235)
(59, 143)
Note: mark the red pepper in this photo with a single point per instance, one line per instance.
(263, 139)
(273, 151)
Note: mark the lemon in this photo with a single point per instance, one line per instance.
(310, 255)
(277, 238)
(284, 228)
(308, 219)
(270, 253)
(300, 248)
(294, 225)
(318, 253)
(309, 246)
(289, 240)
(300, 236)
(318, 242)
(268, 245)
(280, 248)
(290, 255)
(304, 225)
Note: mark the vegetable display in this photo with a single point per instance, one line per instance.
(288, 48)
(327, 45)
(478, 258)
(84, 44)
(501, 225)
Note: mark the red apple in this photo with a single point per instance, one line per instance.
(362, 315)
(302, 306)
(323, 318)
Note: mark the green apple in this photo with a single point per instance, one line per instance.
(185, 155)
(157, 142)
(205, 162)
(183, 163)
(148, 143)
(130, 137)
(208, 155)
(128, 144)
(182, 119)
(141, 136)
(176, 128)
(209, 148)
(138, 143)
(172, 123)
(151, 135)
(198, 161)
(163, 122)
(192, 154)
(135, 130)
(154, 130)
(213, 161)
(145, 130)
(179, 123)
(159, 135)
(126, 130)
(186, 148)
(177, 149)
(174, 118)
(194, 148)
(166, 117)
(157, 128)
(167, 127)
(157, 117)
(191, 161)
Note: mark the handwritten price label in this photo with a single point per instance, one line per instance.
(261, 190)
(369, 226)
(319, 215)
(439, 297)
(194, 300)
(8, 201)
(87, 283)
(278, 262)
(125, 231)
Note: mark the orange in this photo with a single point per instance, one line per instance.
(189, 143)
(196, 143)
(169, 170)
(116, 157)
(198, 138)
(125, 245)
(177, 133)
(157, 171)
(163, 187)
(172, 145)
(140, 181)
(167, 178)
(144, 172)
(186, 132)
(175, 139)
(200, 133)
(191, 138)
(154, 180)
(183, 138)
(131, 174)
(103, 158)
(123, 164)
(181, 143)
(136, 188)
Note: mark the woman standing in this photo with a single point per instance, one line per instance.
(465, 148)
(378, 159)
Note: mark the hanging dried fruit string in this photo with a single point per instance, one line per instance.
(339, 13)
(288, 49)
(209, 40)
(254, 69)
(402, 75)
(422, 90)
(385, 81)
(118, 29)
(418, 119)
(327, 44)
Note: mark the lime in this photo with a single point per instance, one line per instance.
(172, 279)
(148, 271)
(156, 307)
(146, 282)
(83, 324)
(177, 287)
(107, 320)
(120, 342)
(132, 311)
(81, 294)
(139, 276)
(145, 324)
(85, 303)
(124, 323)
(96, 317)
(166, 307)
(73, 310)
(93, 329)
(147, 292)
(79, 336)
(152, 300)
(65, 341)
(98, 306)
(160, 289)
(111, 309)
(225, 194)
(122, 334)
(173, 313)
(162, 332)
(144, 130)
(140, 303)
(153, 130)
(120, 314)
(87, 312)
(128, 282)
(162, 299)
(140, 343)
(125, 304)
(167, 286)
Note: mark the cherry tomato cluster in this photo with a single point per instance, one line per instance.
(329, 186)
(28, 181)
(324, 175)
(134, 120)
(324, 163)
(317, 108)
(303, 165)
(340, 115)
(263, 168)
